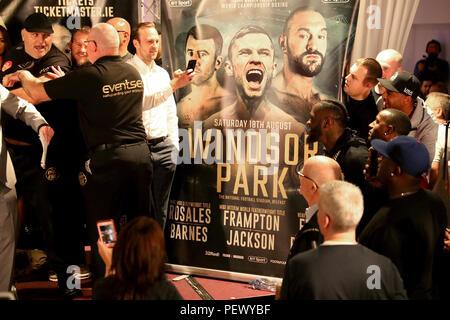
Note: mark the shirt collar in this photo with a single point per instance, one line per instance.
(310, 211)
(338, 243)
(109, 58)
(141, 64)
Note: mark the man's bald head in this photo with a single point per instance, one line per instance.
(105, 41)
(390, 61)
(323, 169)
(398, 120)
(316, 171)
(105, 36)
(124, 30)
(120, 24)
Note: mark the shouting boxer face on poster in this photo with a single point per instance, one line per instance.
(305, 43)
(251, 64)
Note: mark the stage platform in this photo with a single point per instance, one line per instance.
(216, 289)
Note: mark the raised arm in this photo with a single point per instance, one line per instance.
(32, 86)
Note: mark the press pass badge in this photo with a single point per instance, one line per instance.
(44, 150)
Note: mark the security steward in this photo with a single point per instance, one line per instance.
(50, 196)
(109, 94)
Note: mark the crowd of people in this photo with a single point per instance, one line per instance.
(378, 198)
(102, 161)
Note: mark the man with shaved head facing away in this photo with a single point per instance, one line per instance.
(109, 93)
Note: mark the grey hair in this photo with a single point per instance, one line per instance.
(343, 203)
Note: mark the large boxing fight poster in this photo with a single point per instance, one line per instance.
(260, 66)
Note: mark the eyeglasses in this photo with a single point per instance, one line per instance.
(310, 179)
(299, 172)
(87, 42)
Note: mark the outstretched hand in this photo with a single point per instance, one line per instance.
(10, 79)
(57, 73)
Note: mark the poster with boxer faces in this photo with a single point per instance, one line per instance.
(260, 65)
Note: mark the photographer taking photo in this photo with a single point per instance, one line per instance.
(431, 64)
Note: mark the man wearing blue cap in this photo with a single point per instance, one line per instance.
(402, 93)
(410, 228)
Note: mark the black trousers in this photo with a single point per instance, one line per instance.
(164, 166)
(119, 185)
(68, 215)
(33, 186)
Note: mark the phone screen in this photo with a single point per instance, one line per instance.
(107, 233)
(191, 65)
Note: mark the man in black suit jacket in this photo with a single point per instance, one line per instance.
(341, 268)
(316, 171)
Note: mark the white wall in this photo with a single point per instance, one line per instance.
(433, 11)
(432, 21)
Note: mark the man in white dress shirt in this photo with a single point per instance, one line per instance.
(159, 113)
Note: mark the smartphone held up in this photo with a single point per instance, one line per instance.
(191, 65)
(107, 232)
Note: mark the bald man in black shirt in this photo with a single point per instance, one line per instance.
(109, 93)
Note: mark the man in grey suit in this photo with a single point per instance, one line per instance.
(19, 109)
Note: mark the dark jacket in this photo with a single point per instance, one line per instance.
(308, 237)
(410, 231)
(351, 152)
(362, 113)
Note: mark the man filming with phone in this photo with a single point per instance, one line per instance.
(159, 113)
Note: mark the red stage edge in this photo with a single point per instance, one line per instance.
(218, 274)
